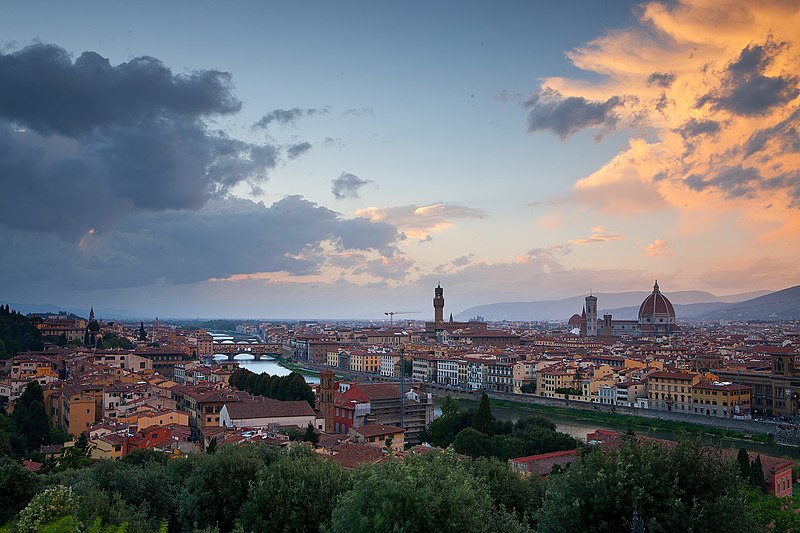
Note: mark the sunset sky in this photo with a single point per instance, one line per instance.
(303, 159)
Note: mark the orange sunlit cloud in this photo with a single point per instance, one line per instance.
(419, 222)
(658, 248)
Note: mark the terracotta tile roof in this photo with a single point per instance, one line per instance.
(351, 456)
(380, 391)
(542, 464)
(268, 408)
(377, 430)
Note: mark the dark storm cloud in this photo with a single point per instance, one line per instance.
(43, 89)
(287, 116)
(661, 79)
(746, 90)
(226, 237)
(347, 185)
(734, 181)
(784, 134)
(296, 150)
(565, 116)
(83, 143)
(695, 127)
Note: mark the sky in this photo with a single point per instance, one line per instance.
(338, 160)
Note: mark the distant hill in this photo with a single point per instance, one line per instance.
(45, 309)
(780, 305)
(621, 305)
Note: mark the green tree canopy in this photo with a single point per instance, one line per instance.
(484, 420)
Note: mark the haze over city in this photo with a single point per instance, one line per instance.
(340, 160)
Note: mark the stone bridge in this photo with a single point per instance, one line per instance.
(256, 350)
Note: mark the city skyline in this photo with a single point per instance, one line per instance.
(339, 161)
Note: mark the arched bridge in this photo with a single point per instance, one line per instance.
(256, 350)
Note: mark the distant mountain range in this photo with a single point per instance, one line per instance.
(756, 305)
(103, 314)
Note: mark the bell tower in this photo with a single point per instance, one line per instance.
(327, 386)
(438, 304)
(591, 315)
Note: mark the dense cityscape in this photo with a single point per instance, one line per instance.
(82, 390)
(399, 267)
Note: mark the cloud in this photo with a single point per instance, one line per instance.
(658, 248)
(296, 150)
(105, 141)
(565, 116)
(225, 238)
(711, 95)
(419, 222)
(695, 127)
(746, 90)
(661, 79)
(347, 185)
(288, 116)
(600, 236)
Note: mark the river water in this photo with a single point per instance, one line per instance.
(270, 366)
(579, 428)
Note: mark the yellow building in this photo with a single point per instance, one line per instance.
(555, 377)
(110, 446)
(378, 434)
(372, 362)
(163, 418)
(671, 391)
(723, 399)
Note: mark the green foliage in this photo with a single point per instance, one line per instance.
(433, 492)
(142, 332)
(291, 387)
(483, 420)
(757, 475)
(17, 487)
(111, 340)
(31, 420)
(211, 449)
(78, 455)
(529, 388)
(775, 514)
(297, 493)
(569, 391)
(219, 484)
(46, 508)
(522, 496)
(17, 334)
(472, 442)
(684, 488)
(743, 463)
(310, 435)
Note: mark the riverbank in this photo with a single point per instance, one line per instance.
(288, 364)
(631, 421)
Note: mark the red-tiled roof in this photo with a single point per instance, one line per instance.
(351, 456)
(543, 464)
(377, 430)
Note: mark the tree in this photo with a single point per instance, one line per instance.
(472, 442)
(46, 508)
(743, 462)
(211, 449)
(757, 476)
(17, 487)
(297, 493)
(31, 420)
(433, 492)
(142, 332)
(310, 435)
(484, 420)
(683, 488)
(78, 455)
(218, 486)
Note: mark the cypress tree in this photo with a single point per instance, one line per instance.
(758, 473)
(484, 420)
(142, 333)
(743, 462)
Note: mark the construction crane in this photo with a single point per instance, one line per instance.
(391, 314)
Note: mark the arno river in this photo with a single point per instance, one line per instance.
(572, 426)
(579, 429)
(270, 366)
